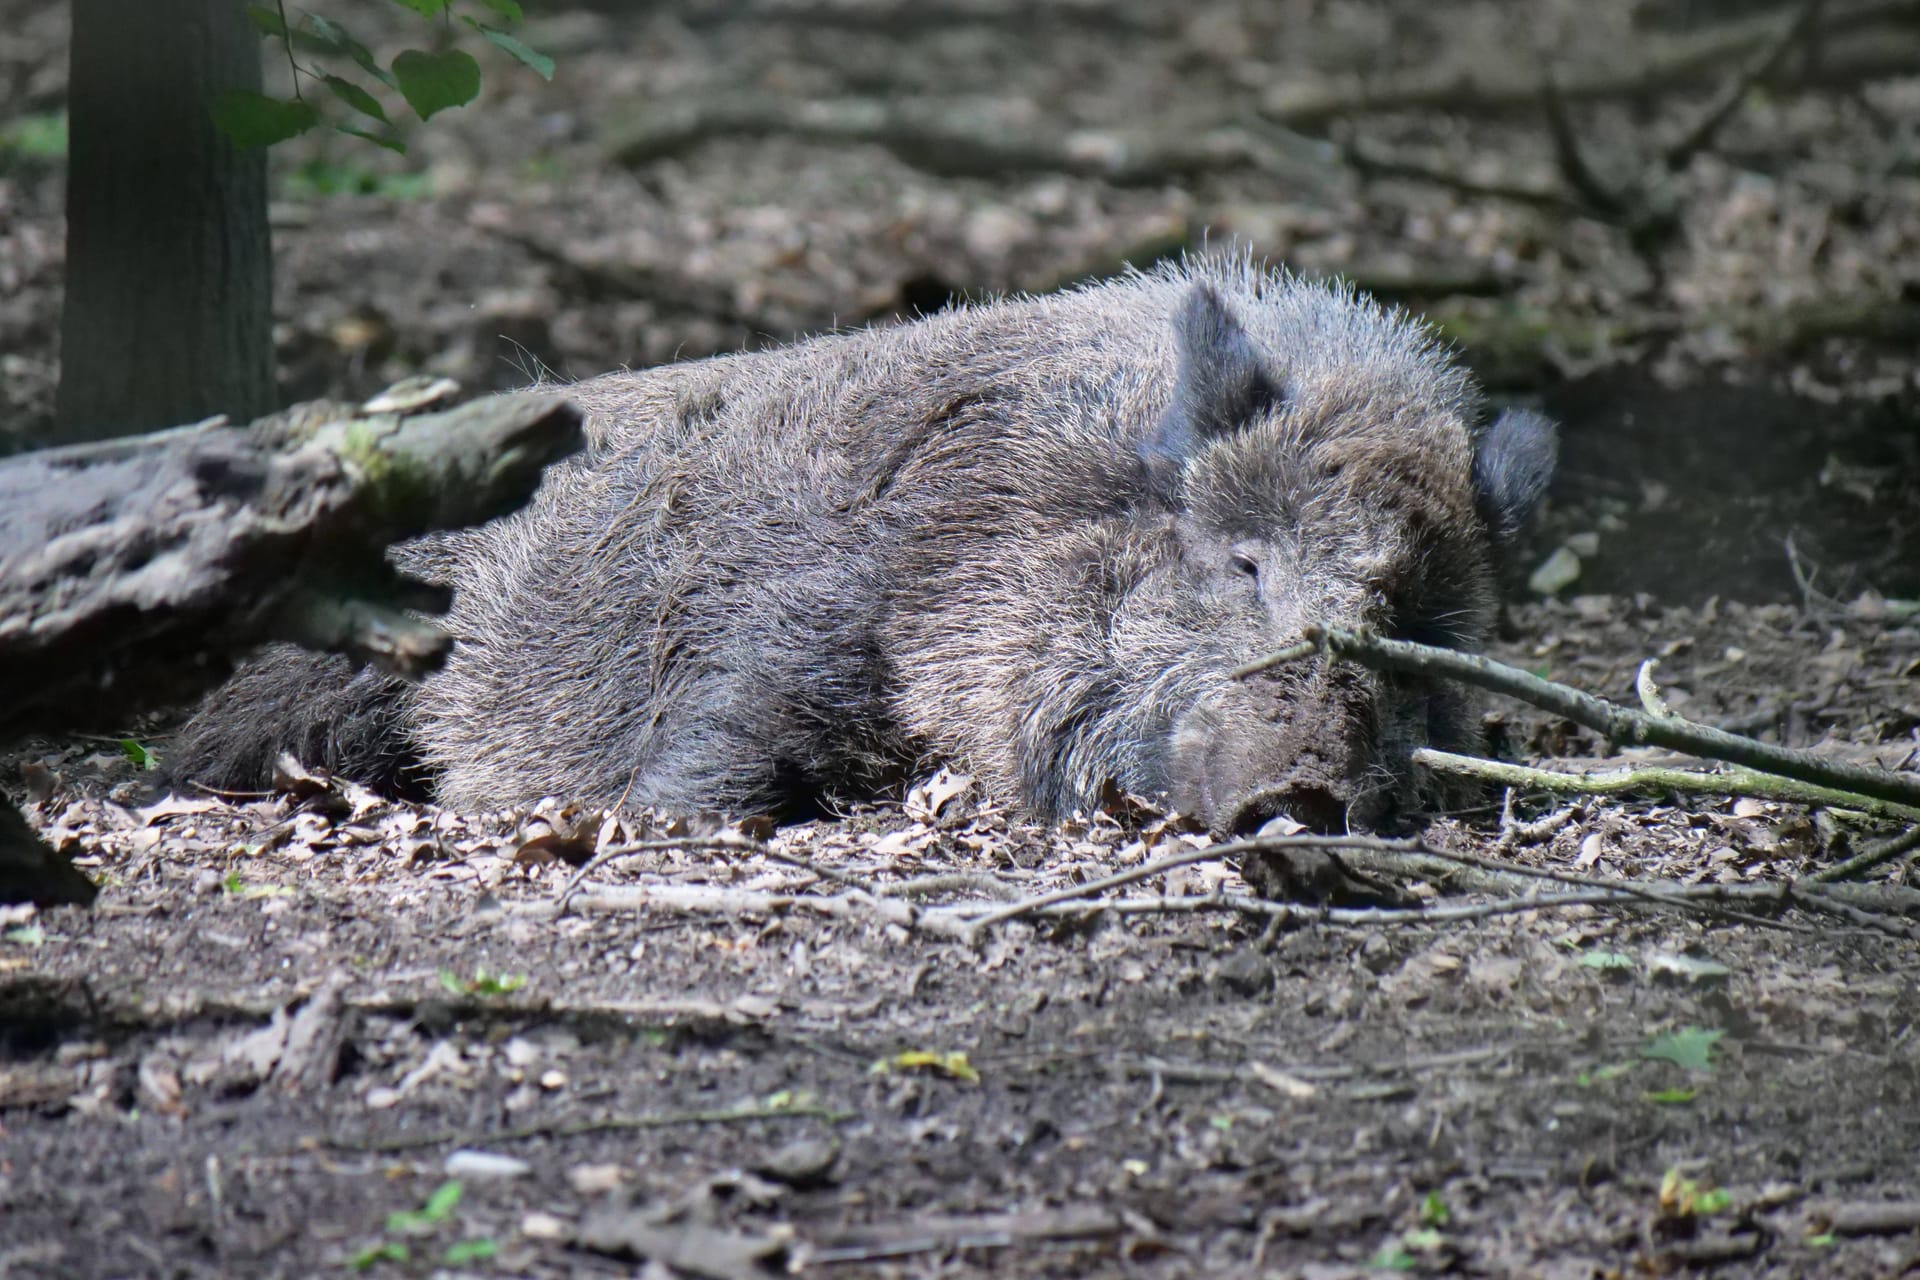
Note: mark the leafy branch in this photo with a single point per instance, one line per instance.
(429, 82)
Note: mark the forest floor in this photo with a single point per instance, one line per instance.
(293, 1021)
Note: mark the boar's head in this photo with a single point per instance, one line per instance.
(1335, 491)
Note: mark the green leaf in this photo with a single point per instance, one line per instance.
(1689, 1047)
(509, 10)
(1606, 960)
(385, 1251)
(1392, 1257)
(483, 983)
(332, 38)
(1718, 1200)
(27, 935)
(440, 1204)
(255, 120)
(356, 97)
(267, 20)
(470, 1251)
(425, 8)
(432, 82)
(139, 756)
(1433, 1210)
(540, 63)
(1672, 1097)
(953, 1065)
(386, 140)
(1605, 1072)
(1684, 1197)
(437, 1209)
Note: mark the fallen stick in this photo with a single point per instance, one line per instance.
(1645, 778)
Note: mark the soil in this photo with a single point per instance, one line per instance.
(293, 1020)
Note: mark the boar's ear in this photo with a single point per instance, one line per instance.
(1512, 462)
(1220, 386)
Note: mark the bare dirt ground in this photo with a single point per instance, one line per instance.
(293, 1021)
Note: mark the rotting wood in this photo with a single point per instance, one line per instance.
(134, 571)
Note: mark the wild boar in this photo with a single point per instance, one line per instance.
(1031, 536)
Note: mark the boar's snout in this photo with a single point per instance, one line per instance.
(1271, 747)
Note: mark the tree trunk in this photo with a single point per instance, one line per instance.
(169, 278)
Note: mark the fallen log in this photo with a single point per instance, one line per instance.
(134, 572)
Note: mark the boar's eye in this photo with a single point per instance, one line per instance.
(1244, 565)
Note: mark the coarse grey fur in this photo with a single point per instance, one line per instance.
(1031, 536)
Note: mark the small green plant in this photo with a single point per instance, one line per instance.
(237, 886)
(1603, 1073)
(1684, 1197)
(1689, 1047)
(439, 1206)
(433, 1214)
(953, 1065)
(478, 1249)
(1406, 1253)
(322, 52)
(139, 755)
(482, 983)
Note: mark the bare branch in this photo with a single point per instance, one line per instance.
(1697, 139)
(1658, 778)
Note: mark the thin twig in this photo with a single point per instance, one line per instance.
(808, 864)
(964, 922)
(1598, 197)
(1373, 165)
(1674, 66)
(701, 899)
(579, 1128)
(1687, 897)
(1877, 921)
(1762, 69)
(1662, 895)
(926, 886)
(1187, 858)
(728, 840)
(1870, 857)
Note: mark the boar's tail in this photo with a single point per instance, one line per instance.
(314, 706)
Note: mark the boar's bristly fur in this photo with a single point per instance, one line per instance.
(1031, 536)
